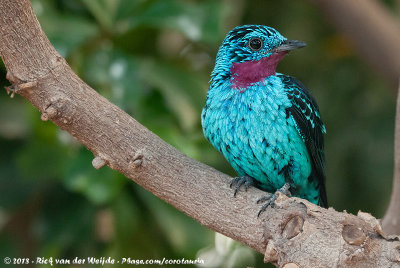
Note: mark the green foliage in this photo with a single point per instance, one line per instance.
(153, 58)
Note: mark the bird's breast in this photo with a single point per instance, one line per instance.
(253, 131)
(259, 111)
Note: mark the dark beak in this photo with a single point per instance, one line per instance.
(288, 45)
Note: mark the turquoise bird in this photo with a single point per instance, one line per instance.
(266, 124)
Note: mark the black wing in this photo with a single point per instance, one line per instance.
(305, 111)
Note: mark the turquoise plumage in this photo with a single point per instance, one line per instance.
(266, 124)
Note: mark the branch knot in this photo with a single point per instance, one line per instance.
(293, 227)
(137, 160)
(99, 162)
(353, 235)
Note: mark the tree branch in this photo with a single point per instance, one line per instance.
(295, 231)
(391, 221)
(371, 29)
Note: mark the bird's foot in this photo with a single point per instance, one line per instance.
(247, 181)
(270, 198)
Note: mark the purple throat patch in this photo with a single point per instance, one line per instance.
(245, 74)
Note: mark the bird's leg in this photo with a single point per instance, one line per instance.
(270, 199)
(247, 181)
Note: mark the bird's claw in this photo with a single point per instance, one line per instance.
(239, 181)
(270, 198)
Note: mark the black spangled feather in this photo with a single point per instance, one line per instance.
(305, 111)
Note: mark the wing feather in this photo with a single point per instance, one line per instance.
(305, 112)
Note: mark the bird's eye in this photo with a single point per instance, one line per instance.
(255, 43)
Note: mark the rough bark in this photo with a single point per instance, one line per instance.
(372, 29)
(293, 234)
(391, 221)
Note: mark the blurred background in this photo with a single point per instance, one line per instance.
(153, 58)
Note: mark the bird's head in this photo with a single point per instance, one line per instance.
(249, 54)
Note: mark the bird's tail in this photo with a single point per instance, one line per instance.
(323, 199)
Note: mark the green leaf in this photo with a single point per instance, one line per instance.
(67, 32)
(41, 160)
(104, 11)
(13, 118)
(99, 186)
(184, 233)
(183, 91)
(65, 221)
(116, 75)
(193, 20)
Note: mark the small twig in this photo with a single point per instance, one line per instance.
(17, 86)
(391, 220)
